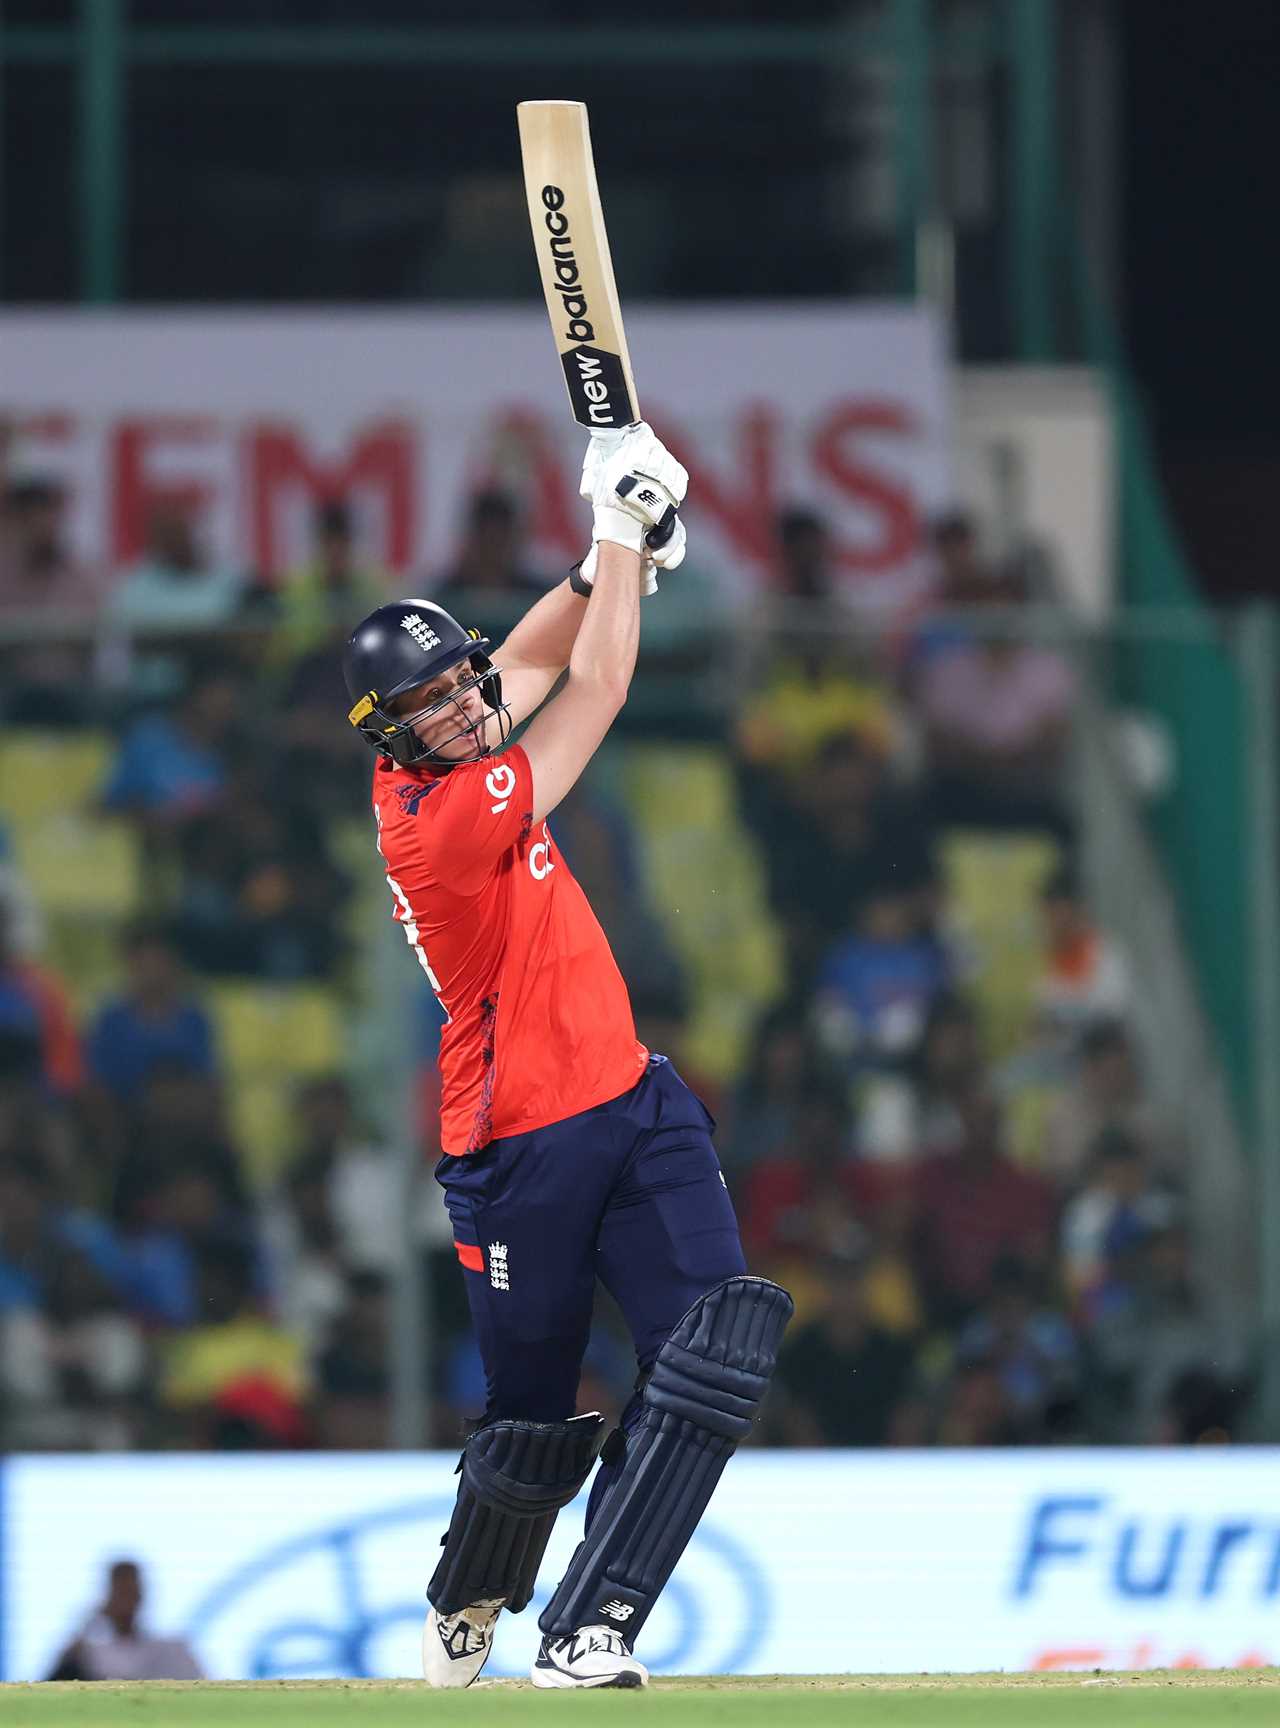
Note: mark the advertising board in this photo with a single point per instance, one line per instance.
(807, 1562)
(248, 418)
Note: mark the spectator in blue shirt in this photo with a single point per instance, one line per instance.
(875, 986)
(1031, 1349)
(153, 1022)
(173, 766)
(37, 1232)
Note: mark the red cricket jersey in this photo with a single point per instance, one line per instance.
(539, 1020)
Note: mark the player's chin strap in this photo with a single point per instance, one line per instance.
(699, 1404)
(515, 1478)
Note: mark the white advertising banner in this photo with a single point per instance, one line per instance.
(806, 1562)
(248, 418)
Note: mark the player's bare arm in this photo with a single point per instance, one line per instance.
(633, 483)
(567, 733)
(537, 651)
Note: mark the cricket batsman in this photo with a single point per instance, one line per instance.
(570, 1151)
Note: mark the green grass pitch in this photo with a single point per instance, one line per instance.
(1158, 1699)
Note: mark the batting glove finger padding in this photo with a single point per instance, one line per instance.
(639, 473)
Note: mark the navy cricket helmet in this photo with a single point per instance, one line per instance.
(406, 644)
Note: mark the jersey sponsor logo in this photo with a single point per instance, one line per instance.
(420, 630)
(541, 863)
(498, 1273)
(500, 783)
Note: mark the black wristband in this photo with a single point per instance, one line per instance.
(578, 582)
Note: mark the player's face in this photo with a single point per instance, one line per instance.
(458, 728)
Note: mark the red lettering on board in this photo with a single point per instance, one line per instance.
(837, 457)
(380, 458)
(136, 491)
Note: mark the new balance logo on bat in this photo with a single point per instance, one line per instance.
(597, 387)
(564, 267)
(594, 390)
(597, 383)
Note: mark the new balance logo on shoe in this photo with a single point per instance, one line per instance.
(616, 1610)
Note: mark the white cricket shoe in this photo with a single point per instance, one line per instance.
(455, 1647)
(592, 1656)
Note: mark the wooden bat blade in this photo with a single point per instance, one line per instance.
(573, 259)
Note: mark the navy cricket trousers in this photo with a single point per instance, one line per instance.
(629, 1192)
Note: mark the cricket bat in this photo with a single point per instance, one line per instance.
(577, 272)
(573, 257)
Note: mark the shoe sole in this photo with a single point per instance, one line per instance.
(553, 1679)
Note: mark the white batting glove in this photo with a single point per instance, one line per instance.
(600, 446)
(668, 556)
(633, 482)
(653, 482)
(636, 441)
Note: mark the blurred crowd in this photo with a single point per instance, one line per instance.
(980, 1210)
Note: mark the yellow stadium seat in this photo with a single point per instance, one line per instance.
(1026, 1119)
(85, 953)
(83, 868)
(42, 773)
(271, 1037)
(993, 883)
(707, 888)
